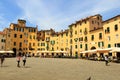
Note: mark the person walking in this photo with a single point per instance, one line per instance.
(106, 60)
(2, 59)
(18, 60)
(24, 60)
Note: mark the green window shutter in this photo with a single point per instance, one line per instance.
(98, 44)
(75, 46)
(80, 45)
(109, 45)
(102, 43)
(86, 47)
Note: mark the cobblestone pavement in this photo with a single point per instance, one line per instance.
(59, 69)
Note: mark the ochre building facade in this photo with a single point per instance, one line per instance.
(87, 37)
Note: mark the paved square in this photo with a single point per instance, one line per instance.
(59, 69)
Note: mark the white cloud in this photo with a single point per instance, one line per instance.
(58, 14)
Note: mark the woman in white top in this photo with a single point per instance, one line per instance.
(106, 60)
(24, 60)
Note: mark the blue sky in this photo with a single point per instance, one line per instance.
(56, 14)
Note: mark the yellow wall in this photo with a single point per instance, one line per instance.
(75, 42)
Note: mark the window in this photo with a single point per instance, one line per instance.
(98, 18)
(14, 43)
(76, 39)
(30, 36)
(81, 38)
(8, 35)
(15, 35)
(100, 44)
(75, 32)
(100, 35)
(38, 44)
(33, 44)
(34, 30)
(85, 31)
(71, 41)
(20, 44)
(15, 29)
(22, 29)
(42, 44)
(92, 22)
(21, 36)
(80, 31)
(109, 45)
(1, 40)
(75, 46)
(86, 47)
(116, 27)
(108, 29)
(105, 31)
(53, 42)
(80, 45)
(34, 37)
(92, 37)
(85, 39)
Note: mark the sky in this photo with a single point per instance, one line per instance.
(55, 14)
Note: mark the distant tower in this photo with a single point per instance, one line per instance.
(21, 23)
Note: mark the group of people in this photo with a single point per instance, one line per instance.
(2, 57)
(24, 60)
(19, 59)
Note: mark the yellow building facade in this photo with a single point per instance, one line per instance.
(87, 37)
(21, 38)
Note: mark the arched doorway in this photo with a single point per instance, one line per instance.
(93, 55)
(92, 48)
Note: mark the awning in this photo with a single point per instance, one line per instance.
(59, 51)
(115, 49)
(51, 51)
(104, 50)
(89, 51)
(6, 52)
(98, 50)
(43, 51)
(9, 52)
(2, 51)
